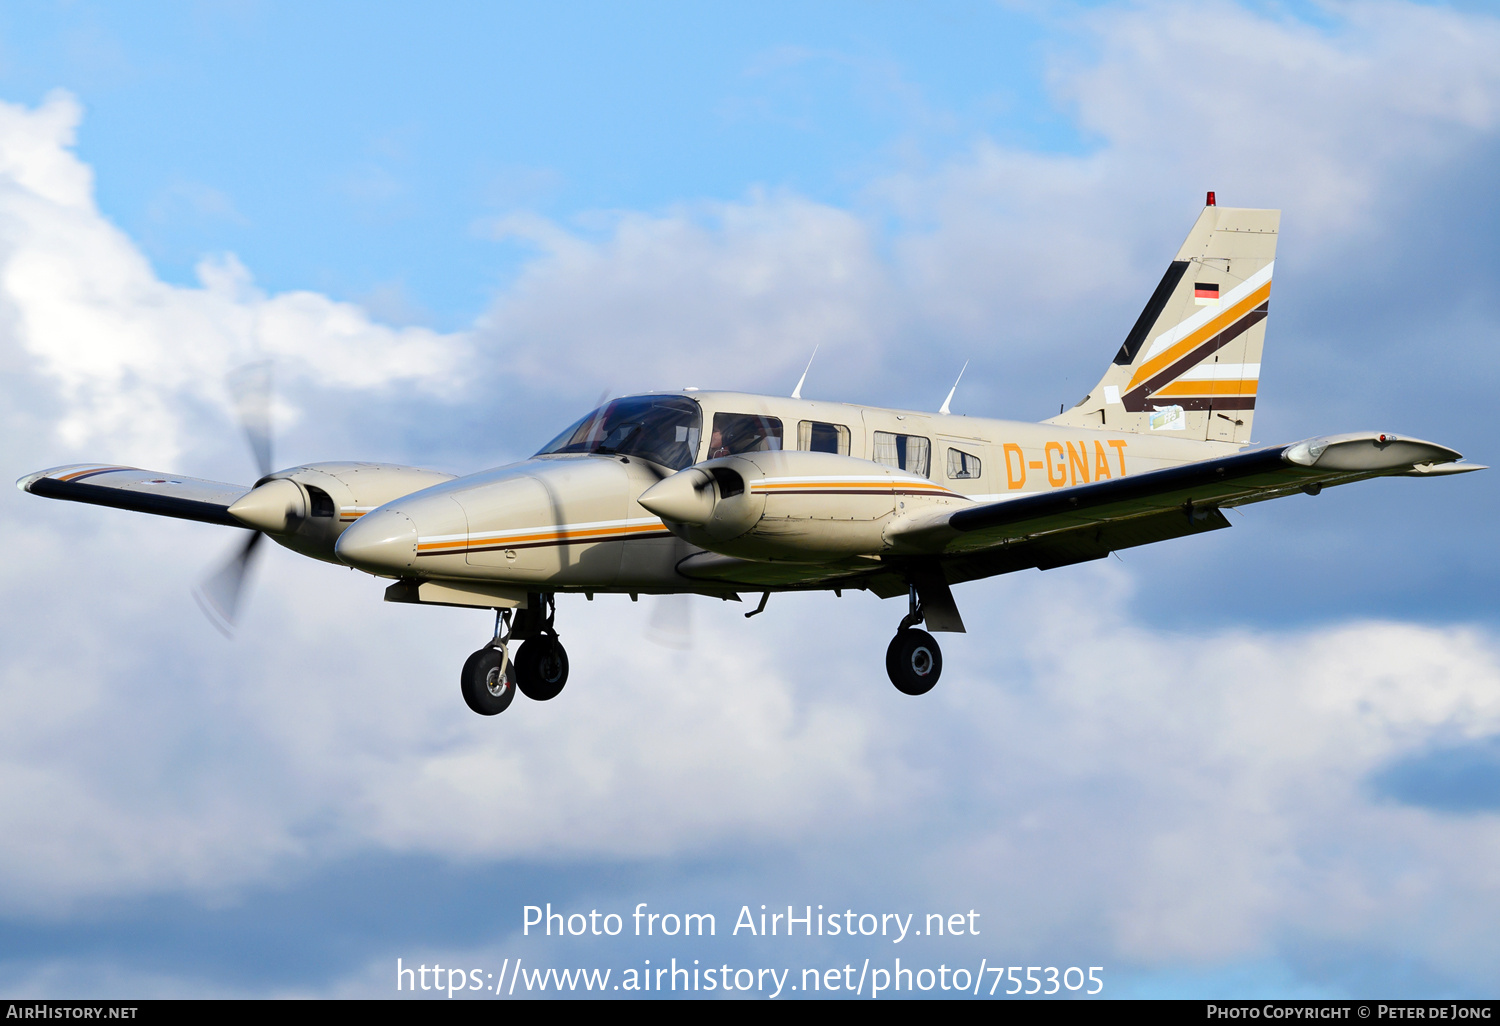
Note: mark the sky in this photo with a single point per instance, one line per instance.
(1257, 763)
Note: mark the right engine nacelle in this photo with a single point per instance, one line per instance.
(805, 507)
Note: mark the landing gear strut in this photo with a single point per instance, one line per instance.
(913, 660)
(491, 678)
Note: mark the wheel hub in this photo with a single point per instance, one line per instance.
(921, 662)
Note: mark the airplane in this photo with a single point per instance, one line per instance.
(721, 493)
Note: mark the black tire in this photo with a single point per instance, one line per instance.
(541, 669)
(913, 661)
(485, 690)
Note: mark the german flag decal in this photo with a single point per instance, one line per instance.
(1180, 368)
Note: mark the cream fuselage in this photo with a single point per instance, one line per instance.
(573, 522)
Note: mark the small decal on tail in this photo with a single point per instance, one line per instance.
(1206, 294)
(1168, 418)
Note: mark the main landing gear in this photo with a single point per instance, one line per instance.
(913, 660)
(491, 679)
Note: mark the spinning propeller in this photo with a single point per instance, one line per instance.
(219, 595)
(671, 621)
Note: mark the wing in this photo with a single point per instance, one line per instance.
(145, 491)
(1070, 525)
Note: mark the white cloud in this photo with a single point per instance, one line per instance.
(124, 350)
(1346, 128)
(727, 295)
(1226, 779)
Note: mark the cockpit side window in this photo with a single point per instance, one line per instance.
(743, 432)
(661, 428)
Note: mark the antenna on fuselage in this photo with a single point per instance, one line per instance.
(797, 392)
(944, 409)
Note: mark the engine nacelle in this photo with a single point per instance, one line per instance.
(306, 508)
(804, 507)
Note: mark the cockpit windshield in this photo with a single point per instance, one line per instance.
(661, 428)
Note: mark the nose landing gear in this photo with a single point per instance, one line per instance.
(913, 661)
(490, 678)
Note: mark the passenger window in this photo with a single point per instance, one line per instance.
(743, 432)
(814, 436)
(904, 452)
(962, 466)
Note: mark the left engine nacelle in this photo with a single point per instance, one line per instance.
(805, 507)
(306, 508)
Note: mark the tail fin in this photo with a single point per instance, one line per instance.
(1191, 364)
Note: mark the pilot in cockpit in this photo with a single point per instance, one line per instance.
(743, 432)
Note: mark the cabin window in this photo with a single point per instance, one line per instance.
(962, 466)
(743, 432)
(815, 436)
(911, 453)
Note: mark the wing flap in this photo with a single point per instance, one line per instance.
(712, 566)
(144, 491)
(1082, 544)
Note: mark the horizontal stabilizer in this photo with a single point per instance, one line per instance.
(144, 491)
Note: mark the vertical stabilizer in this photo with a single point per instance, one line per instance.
(1191, 365)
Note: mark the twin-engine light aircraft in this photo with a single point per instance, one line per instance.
(719, 493)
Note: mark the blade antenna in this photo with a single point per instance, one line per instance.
(944, 410)
(797, 392)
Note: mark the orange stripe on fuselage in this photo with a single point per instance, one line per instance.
(824, 486)
(593, 534)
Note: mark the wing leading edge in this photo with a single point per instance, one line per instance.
(144, 491)
(1167, 503)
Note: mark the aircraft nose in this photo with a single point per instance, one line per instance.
(381, 542)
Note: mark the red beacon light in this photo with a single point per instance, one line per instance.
(1210, 202)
